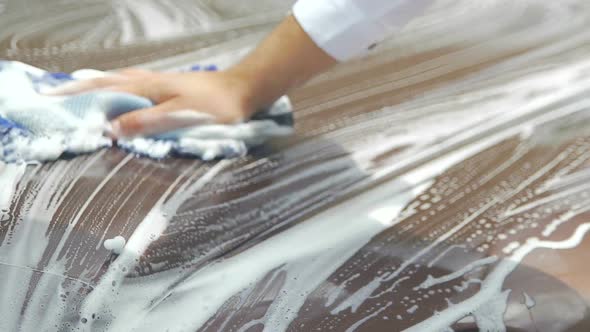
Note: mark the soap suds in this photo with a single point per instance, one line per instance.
(432, 281)
(115, 244)
(511, 247)
(362, 321)
(10, 175)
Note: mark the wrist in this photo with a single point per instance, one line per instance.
(256, 90)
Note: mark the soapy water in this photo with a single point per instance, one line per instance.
(449, 179)
(174, 289)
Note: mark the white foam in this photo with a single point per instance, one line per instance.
(555, 223)
(432, 281)
(363, 320)
(10, 175)
(511, 247)
(152, 148)
(115, 244)
(489, 316)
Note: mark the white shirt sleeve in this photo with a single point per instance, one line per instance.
(346, 29)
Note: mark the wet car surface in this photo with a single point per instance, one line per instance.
(442, 183)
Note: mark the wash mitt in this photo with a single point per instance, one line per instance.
(35, 127)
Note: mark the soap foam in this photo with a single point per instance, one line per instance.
(10, 175)
(115, 244)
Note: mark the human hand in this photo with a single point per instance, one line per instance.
(181, 99)
(286, 59)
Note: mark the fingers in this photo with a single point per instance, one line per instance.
(123, 84)
(85, 85)
(139, 88)
(161, 118)
(136, 72)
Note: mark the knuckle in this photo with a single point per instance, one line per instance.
(130, 125)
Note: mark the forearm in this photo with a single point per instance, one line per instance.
(317, 36)
(287, 58)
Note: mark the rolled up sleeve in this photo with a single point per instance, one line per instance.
(347, 29)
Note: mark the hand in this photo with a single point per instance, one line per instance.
(181, 99)
(286, 59)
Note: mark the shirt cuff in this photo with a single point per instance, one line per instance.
(343, 32)
(347, 29)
